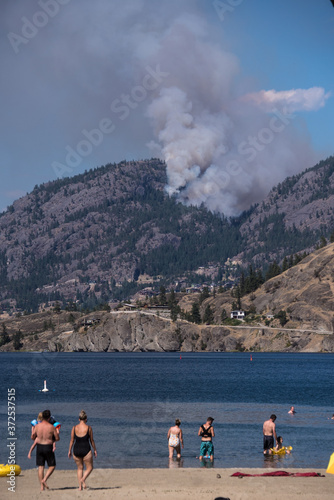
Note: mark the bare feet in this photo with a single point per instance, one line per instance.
(83, 484)
(44, 485)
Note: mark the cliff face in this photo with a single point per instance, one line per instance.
(144, 331)
(124, 332)
(133, 332)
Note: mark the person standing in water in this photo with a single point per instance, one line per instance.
(206, 432)
(81, 441)
(175, 440)
(269, 433)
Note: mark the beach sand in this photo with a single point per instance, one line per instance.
(171, 484)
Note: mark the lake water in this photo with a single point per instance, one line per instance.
(133, 398)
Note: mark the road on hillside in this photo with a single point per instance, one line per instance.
(260, 326)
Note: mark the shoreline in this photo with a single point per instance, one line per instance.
(168, 484)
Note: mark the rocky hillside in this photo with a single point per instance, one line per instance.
(135, 332)
(90, 235)
(305, 293)
(144, 332)
(88, 238)
(296, 212)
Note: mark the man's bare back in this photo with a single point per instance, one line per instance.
(45, 433)
(269, 428)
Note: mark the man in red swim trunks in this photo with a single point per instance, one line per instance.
(269, 433)
(45, 433)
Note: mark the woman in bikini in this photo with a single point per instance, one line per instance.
(175, 439)
(81, 441)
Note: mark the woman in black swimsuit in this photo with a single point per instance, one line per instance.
(81, 441)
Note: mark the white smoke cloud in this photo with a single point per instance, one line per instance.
(293, 100)
(219, 150)
(190, 141)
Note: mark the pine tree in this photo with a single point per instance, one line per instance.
(281, 315)
(4, 339)
(57, 308)
(204, 294)
(242, 284)
(195, 313)
(172, 299)
(238, 297)
(252, 279)
(323, 242)
(162, 296)
(273, 270)
(208, 317)
(285, 264)
(17, 340)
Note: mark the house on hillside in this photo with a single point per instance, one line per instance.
(238, 314)
(90, 322)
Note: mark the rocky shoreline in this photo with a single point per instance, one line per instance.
(138, 331)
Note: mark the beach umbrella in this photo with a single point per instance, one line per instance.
(330, 467)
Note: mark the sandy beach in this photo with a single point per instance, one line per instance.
(171, 484)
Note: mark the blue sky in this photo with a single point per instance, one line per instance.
(288, 44)
(198, 74)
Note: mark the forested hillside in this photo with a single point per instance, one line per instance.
(106, 227)
(296, 214)
(89, 238)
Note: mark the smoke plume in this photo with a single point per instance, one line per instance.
(160, 73)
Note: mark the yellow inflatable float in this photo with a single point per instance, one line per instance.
(6, 470)
(282, 451)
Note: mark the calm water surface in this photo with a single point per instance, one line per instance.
(133, 398)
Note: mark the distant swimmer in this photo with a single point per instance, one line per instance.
(269, 433)
(175, 439)
(292, 410)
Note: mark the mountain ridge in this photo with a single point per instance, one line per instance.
(89, 237)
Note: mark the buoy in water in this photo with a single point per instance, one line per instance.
(45, 389)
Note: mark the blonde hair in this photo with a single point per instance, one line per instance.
(40, 416)
(82, 415)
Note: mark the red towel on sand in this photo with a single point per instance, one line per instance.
(280, 473)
